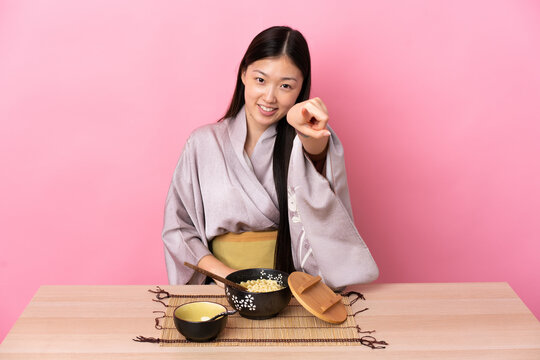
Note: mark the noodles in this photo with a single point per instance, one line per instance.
(261, 285)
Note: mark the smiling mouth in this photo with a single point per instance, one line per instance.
(268, 109)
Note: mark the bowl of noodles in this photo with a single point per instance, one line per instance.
(268, 292)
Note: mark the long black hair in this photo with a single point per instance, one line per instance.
(274, 42)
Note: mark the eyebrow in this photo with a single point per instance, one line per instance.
(283, 78)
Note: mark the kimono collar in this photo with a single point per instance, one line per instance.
(237, 128)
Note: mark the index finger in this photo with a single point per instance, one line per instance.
(320, 115)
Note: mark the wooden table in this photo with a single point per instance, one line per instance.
(419, 321)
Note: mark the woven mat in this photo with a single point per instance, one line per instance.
(293, 326)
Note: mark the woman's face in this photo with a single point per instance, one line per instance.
(272, 86)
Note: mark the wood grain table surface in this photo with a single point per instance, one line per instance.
(419, 321)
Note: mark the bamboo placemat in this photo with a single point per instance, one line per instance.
(293, 326)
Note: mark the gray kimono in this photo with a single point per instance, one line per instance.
(216, 188)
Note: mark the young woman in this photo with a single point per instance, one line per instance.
(266, 185)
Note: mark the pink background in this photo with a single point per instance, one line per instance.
(436, 102)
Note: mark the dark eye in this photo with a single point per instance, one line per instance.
(286, 86)
(259, 80)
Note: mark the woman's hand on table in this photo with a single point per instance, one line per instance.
(309, 118)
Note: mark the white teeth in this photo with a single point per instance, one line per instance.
(266, 108)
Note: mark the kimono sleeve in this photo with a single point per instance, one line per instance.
(183, 227)
(324, 238)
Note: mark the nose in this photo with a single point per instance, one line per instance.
(269, 95)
